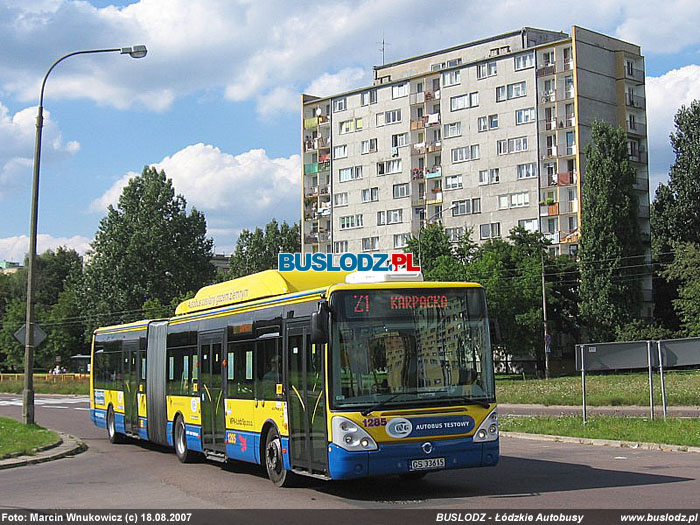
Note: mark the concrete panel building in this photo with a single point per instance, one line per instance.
(483, 136)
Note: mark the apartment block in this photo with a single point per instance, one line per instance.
(484, 136)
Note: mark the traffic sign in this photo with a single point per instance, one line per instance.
(39, 334)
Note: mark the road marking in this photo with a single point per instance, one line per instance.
(46, 402)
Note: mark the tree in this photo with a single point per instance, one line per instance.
(258, 250)
(431, 244)
(611, 247)
(684, 270)
(675, 214)
(147, 248)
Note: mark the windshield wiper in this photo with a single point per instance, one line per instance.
(478, 402)
(379, 405)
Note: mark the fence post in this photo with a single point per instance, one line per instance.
(651, 380)
(663, 381)
(583, 381)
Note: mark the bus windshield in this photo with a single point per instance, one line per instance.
(410, 347)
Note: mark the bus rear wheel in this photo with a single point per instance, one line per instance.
(114, 436)
(274, 465)
(184, 454)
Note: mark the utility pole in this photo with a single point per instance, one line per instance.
(547, 337)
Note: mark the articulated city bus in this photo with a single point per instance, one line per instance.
(325, 374)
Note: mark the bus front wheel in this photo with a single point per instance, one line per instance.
(184, 454)
(274, 464)
(114, 436)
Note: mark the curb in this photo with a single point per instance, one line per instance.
(66, 446)
(602, 442)
(36, 450)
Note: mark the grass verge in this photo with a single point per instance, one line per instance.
(641, 430)
(19, 439)
(682, 389)
(47, 387)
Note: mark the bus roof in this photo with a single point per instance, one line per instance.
(269, 283)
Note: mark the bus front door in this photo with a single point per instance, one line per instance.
(306, 402)
(131, 381)
(212, 392)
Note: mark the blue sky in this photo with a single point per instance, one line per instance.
(216, 101)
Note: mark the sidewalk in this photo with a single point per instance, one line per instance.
(507, 409)
(69, 446)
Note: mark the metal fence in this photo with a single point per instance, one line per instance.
(650, 355)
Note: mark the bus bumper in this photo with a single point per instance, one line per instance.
(98, 417)
(395, 458)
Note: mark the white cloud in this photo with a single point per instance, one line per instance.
(280, 99)
(665, 95)
(344, 80)
(234, 191)
(17, 134)
(16, 248)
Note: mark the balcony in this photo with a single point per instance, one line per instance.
(418, 123)
(416, 98)
(434, 147)
(638, 127)
(637, 155)
(635, 101)
(566, 178)
(546, 70)
(549, 209)
(418, 149)
(553, 237)
(417, 174)
(548, 125)
(569, 66)
(549, 96)
(432, 95)
(418, 199)
(432, 120)
(315, 144)
(311, 192)
(316, 167)
(550, 152)
(436, 197)
(570, 150)
(632, 73)
(434, 172)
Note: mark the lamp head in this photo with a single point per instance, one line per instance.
(134, 51)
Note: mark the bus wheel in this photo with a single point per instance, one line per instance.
(273, 460)
(413, 476)
(180, 438)
(114, 436)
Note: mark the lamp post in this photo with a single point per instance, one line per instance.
(28, 391)
(427, 221)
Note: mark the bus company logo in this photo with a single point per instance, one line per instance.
(347, 262)
(193, 404)
(399, 427)
(99, 397)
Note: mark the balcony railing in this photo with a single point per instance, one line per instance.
(636, 126)
(417, 124)
(434, 146)
(566, 178)
(418, 199)
(418, 149)
(432, 95)
(634, 74)
(570, 150)
(434, 172)
(549, 96)
(635, 101)
(569, 66)
(416, 98)
(553, 237)
(637, 155)
(550, 152)
(546, 70)
(435, 198)
(549, 125)
(314, 144)
(549, 209)
(417, 174)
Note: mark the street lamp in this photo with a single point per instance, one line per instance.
(28, 392)
(427, 221)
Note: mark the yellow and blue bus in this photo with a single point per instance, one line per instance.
(324, 374)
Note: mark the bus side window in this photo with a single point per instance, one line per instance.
(240, 382)
(269, 369)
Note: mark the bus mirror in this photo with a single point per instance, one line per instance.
(319, 324)
(495, 332)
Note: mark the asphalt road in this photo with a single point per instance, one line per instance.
(531, 474)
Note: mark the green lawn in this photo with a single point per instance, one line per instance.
(17, 438)
(47, 387)
(641, 430)
(682, 388)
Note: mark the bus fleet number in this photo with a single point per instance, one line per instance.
(374, 422)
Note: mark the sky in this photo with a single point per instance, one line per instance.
(216, 102)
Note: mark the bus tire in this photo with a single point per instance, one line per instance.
(413, 476)
(272, 459)
(183, 454)
(114, 437)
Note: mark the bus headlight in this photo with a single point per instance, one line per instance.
(349, 436)
(488, 430)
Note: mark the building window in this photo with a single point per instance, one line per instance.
(464, 101)
(517, 144)
(524, 61)
(527, 171)
(523, 116)
(454, 234)
(453, 182)
(482, 124)
(346, 174)
(340, 152)
(493, 121)
(368, 146)
(519, 200)
(401, 190)
(381, 218)
(368, 97)
(461, 207)
(340, 199)
(399, 140)
(516, 90)
(490, 176)
(370, 244)
(489, 231)
(358, 124)
(466, 153)
(450, 78)
(393, 116)
(399, 90)
(351, 221)
(487, 69)
(393, 166)
(345, 127)
(453, 130)
(473, 99)
(340, 246)
(339, 104)
(500, 93)
(476, 205)
(394, 216)
(370, 195)
(503, 202)
(529, 224)
(501, 147)
(401, 240)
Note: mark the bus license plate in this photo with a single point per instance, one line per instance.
(427, 464)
